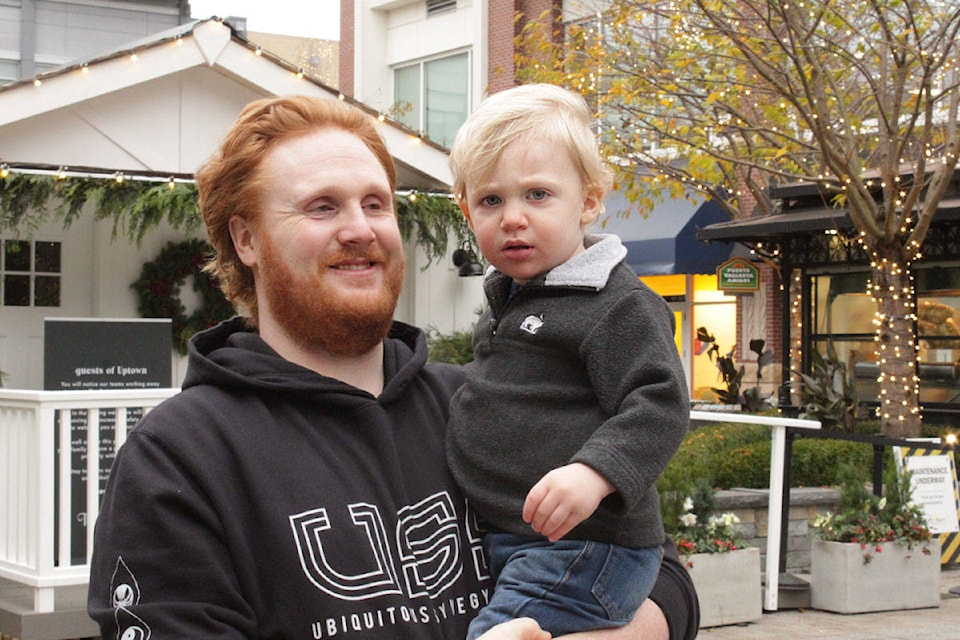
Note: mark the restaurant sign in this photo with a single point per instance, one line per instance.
(738, 276)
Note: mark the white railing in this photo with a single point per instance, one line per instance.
(48, 503)
(778, 446)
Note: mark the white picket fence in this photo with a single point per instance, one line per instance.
(47, 502)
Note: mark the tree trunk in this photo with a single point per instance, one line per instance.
(895, 342)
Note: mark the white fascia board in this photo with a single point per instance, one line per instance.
(106, 76)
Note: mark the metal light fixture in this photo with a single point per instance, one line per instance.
(466, 260)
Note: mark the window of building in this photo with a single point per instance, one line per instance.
(433, 96)
(843, 321)
(31, 273)
(440, 6)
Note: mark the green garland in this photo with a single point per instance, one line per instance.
(159, 284)
(138, 206)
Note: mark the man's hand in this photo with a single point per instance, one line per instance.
(564, 498)
(517, 629)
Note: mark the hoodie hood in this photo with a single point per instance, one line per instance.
(233, 356)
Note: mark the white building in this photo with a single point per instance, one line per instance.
(151, 109)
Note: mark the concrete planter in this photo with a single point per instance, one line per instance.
(895, 578)
(728, 586)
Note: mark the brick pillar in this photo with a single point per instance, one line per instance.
(502, 30)
(345, 81)
(500, 35)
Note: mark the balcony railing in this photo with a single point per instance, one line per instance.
(52, 443)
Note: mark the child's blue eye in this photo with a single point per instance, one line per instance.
(539, 194)
(490, 201)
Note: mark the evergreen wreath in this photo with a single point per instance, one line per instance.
(159, 284)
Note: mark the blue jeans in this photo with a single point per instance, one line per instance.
(566, 586)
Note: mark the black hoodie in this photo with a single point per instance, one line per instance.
(268, 501)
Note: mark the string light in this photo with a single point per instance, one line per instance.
(4, 170)
(118, 177)
(258, 51)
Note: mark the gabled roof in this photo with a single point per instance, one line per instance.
(160, 105)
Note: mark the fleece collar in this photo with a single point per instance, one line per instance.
(592, 267)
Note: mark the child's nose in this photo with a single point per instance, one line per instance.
(514, 216)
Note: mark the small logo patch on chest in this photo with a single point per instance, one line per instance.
(531, 324)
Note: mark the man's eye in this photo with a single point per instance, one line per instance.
(490, 201)
(322, 209)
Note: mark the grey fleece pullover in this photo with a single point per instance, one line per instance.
(580, 365)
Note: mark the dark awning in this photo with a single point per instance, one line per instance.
(799, 222)
(665, 241)
(781, 224)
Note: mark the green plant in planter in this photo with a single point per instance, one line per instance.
(750, 400)
(869, 520)
(698, 529)
(828, 393)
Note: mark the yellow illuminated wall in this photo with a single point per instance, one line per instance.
(671, 286)
(709, 308)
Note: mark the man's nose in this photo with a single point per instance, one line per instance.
(356, 227)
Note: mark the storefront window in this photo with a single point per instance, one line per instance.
(717, 313)
(843, 314)
(938, 331)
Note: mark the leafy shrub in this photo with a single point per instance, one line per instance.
(815, 462)
(870, 520)
(455, 348)
(735, 455)
(828, 392)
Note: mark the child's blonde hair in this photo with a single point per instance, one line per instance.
(536, 114)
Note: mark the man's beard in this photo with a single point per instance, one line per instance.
(318, 316)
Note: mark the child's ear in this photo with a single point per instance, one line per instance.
(592, 203)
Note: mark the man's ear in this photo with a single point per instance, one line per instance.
(244, 240)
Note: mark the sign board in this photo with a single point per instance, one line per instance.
(934, 487)
(738, 276)
(94, 353)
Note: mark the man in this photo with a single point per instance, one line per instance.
(296, 488)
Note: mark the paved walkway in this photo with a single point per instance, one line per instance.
(942, 623)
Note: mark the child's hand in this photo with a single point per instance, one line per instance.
(564, 498)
